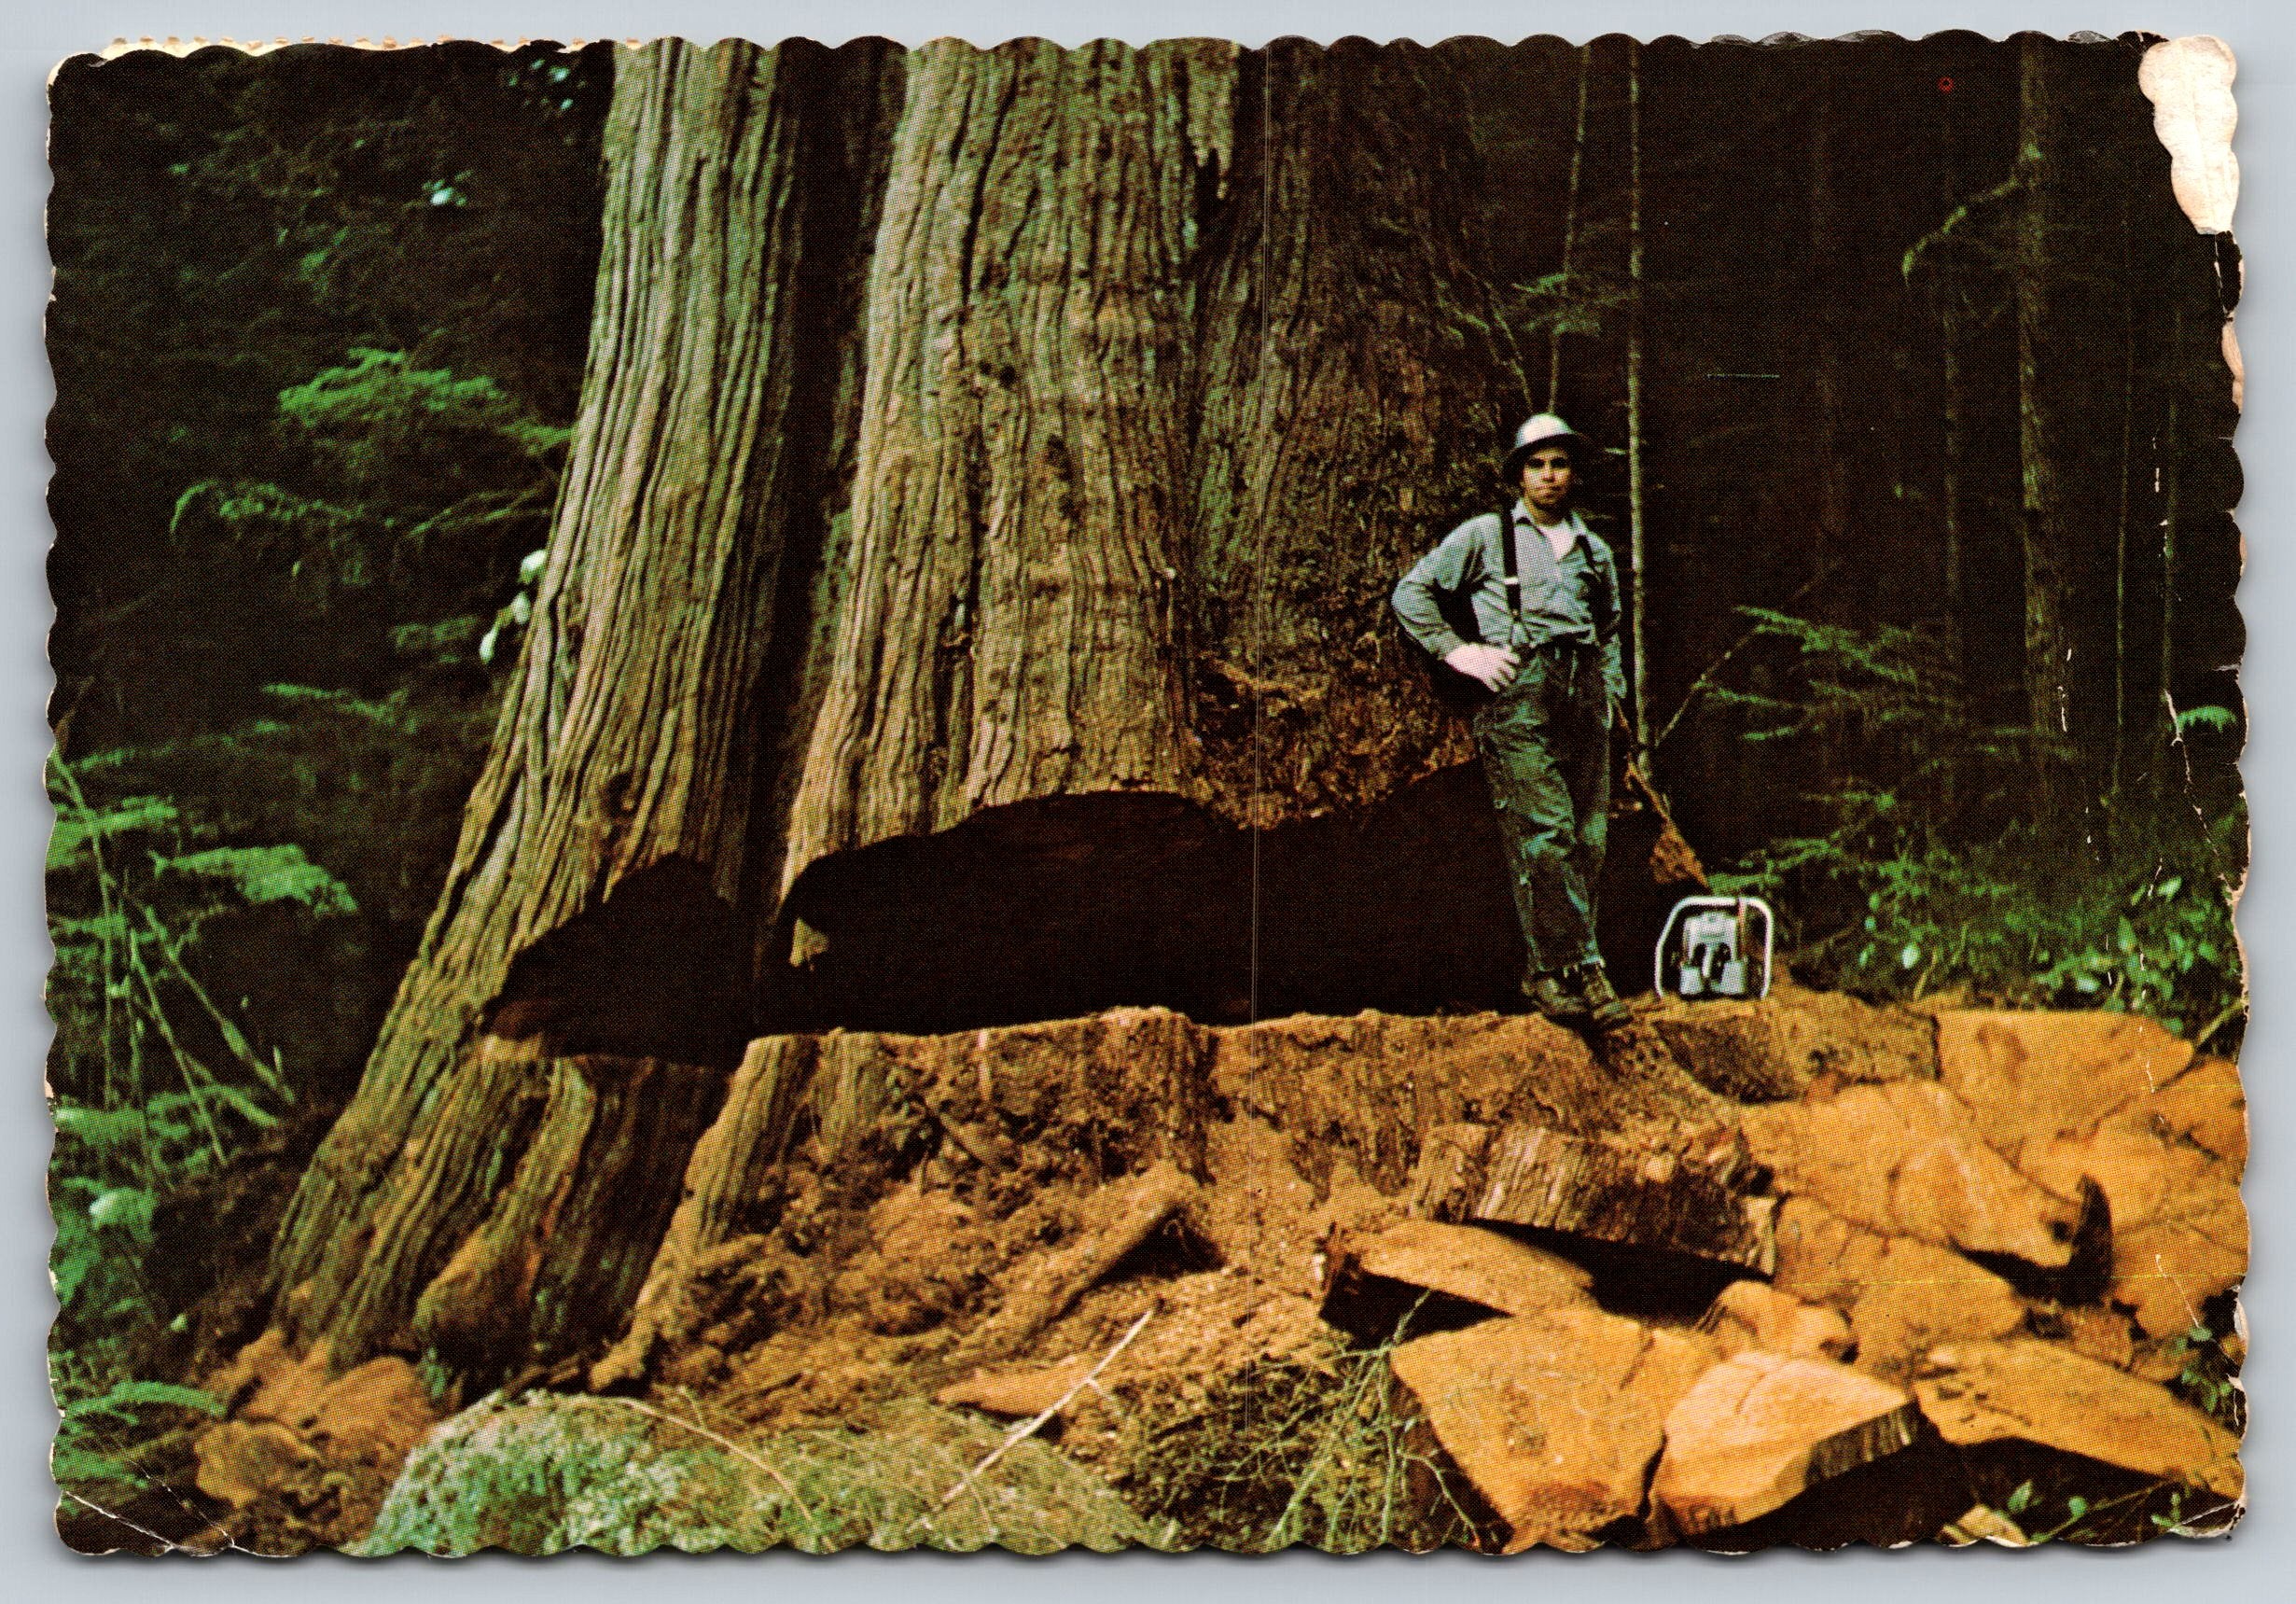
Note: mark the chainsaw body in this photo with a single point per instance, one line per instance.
(1716, 947)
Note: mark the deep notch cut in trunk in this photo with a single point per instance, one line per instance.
(650, 973)
(1066, 906)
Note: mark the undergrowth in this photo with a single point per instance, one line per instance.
(1332, 1454)
(544, 1473)
(1930, 860)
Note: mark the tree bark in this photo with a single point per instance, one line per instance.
(610, 853)
(1350, 401)
(1006, 633)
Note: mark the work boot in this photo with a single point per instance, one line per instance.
(1598, 1003)
(1553, 999)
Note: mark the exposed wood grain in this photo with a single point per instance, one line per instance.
(1982, 1391)
(1761, 1429)
(1700, 1204)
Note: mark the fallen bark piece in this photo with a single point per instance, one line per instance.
(1018, 1393)
(1909, 1158)
(1901, 1296)
(1761, 1429)
(1700, 1203)
(2039, 1075)
(267, 1380)
(2037, 1392)
(1117, 1219)
(1376, 1281)
(1753, 1315)
(1554, 1417)
(375, 1412)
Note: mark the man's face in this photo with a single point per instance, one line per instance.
(1546, 479)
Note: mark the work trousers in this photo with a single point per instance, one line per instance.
(1546, 748)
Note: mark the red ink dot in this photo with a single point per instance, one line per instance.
(1945, 86)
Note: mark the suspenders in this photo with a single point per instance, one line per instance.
(1512, 580)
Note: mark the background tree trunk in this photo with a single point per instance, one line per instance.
(2042, 520)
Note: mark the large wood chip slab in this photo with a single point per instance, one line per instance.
(1901, 1296)
(1700, 1202)
(1554, 1417)
(2037, 1392)
(2180, 1233)
(1468, 1261)
(2206, 1106)
(1761, 1429)
(1909, 1158)
(1018, 1392)
(2032, 1075)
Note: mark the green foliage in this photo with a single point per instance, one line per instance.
(319, 322)
(365, 419)
(546, 1473)
(265, 874)
(1921, 873)
(1332, 1455)
(418, 489)
(85, 1454)
(155, 1081)
(2207, 1380)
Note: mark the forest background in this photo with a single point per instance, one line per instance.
(319, 333)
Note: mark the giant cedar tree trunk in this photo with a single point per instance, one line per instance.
(1164, 378)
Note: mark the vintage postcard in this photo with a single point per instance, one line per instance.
(1184, 796)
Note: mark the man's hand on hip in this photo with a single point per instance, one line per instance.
(1491, 667)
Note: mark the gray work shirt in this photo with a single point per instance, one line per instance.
(1574, 597)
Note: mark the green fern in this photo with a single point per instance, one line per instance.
(260, 875)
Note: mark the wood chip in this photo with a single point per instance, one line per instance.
(2179, 1230)
(1901, 1296)
(1700, 1203)
(1017, 1393)
(240, 1462)
(2031, 1075)
(2039, 1392)
(1482, 1266)
(1554, 1417)
(1761, 1429)
(1753, 1315)
(1909, 1158)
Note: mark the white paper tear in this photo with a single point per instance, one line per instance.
(2190, 83)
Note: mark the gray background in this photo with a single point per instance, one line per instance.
(2258, 1562)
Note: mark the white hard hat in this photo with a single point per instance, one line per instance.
(1546, 429)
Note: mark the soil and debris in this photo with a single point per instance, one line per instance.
(1816, 1271)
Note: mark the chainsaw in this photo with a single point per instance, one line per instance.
(1706, 948)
